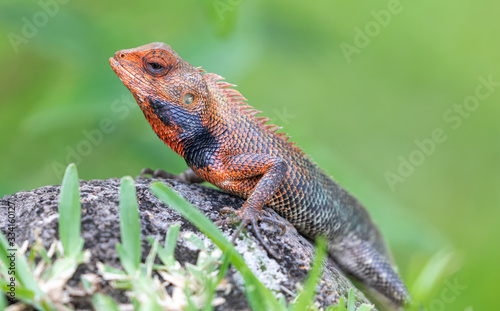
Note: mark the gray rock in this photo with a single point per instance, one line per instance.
(36, 211)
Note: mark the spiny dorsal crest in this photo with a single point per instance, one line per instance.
(235, 97)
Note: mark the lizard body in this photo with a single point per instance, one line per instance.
(208, 123)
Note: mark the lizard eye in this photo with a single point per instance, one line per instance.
(188, 99)
(155, 66)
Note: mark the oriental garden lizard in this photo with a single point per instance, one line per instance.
(207, 122)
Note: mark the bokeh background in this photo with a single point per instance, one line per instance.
(355, 85)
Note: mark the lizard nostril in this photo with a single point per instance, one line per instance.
(122, 55)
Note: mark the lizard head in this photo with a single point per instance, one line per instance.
(171, 93)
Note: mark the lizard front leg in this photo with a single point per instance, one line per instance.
(257, 177)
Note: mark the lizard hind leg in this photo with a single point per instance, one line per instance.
(366, 264)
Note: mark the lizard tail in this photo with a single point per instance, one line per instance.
(366, 264)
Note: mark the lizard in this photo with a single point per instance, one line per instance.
(208, 122)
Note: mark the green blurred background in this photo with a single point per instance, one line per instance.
(357, 113)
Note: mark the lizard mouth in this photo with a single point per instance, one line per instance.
(118, 68)
(126, 76)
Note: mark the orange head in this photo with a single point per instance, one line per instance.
(171, 93)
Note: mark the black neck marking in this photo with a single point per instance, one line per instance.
(199, 144)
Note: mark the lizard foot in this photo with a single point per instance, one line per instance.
(187, 176)
(157, 173)
(235, 217)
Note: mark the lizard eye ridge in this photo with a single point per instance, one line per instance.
(156, 66)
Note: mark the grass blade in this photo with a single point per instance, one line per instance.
(171, 239)
(339, 307)
(130, 227)
(3, 302)
(434, 272)
(350, 301)
(150, 259)
(70, 213)
(103, 302)
(166, 253)
(23, 274)
(222, 272)
(259, 297)
(365, 307)
(62, 269)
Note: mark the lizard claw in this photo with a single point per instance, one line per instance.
(256, 230)
(272, 220)
(244, 221)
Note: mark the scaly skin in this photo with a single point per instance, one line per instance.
(209, 124)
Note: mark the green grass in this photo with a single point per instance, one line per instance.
(52, 272)
(103, 302)
(70, 214)
(435, 271)
(130, 227)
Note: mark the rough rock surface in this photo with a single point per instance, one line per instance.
(37, 214)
